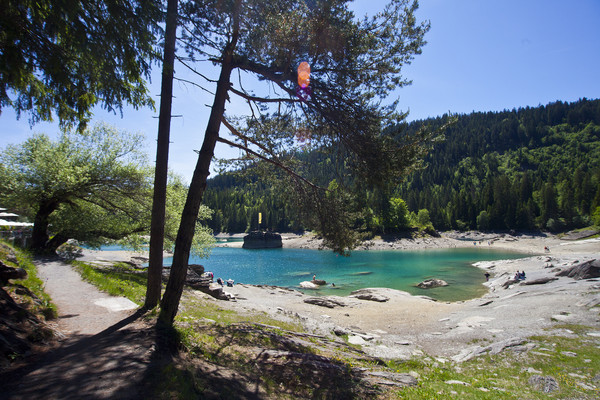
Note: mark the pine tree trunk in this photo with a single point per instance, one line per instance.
(157, 224)
(183, 243)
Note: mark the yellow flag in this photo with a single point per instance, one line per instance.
(259, 218)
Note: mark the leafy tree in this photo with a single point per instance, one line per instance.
(397, 218)
(65, 57)
(92, 186)
(354, 64)
(85, 186)
(423, 218)
(483, 221)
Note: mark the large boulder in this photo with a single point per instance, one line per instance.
(432, 283)
(262, 240)
(585, 270)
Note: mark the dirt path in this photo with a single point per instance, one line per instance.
(82, 308)
(107, 350)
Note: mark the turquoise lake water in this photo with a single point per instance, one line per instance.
(400, 270)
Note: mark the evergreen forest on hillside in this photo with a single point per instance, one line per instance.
(524, 169)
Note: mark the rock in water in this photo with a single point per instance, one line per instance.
(262, 240)
(432, 283)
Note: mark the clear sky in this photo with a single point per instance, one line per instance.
(481, 55)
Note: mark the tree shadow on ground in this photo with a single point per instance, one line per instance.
(138, 359)
(133, 359)
(110, 364)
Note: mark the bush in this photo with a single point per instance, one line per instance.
(483, 221)
(596, 217)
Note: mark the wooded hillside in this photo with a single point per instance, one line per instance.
(523, 169)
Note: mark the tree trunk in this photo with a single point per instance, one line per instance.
(183, 243)
(39, 233)
(157, 224)
(56, 241)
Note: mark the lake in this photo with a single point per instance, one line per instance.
(400, 269)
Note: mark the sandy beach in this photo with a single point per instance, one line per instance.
(404, 325)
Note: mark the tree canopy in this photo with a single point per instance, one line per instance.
(92, 186)
(64, 57)
(84, 186)
(354, 66)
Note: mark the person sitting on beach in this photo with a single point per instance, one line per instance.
(220, 281)
(230, 282)
(522, 275)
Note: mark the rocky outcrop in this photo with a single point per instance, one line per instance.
(580, 234)
(539, 281)
(328, 302)
(494, 348)
(262, 240)
(585, 270)
(7, 273)
(369, 294)
(544, 384)
(432, 283)
(196, 280)
(389, 378)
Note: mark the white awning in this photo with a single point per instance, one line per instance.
(15, 224)
(8, 215)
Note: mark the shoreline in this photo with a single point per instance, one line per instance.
(405, 326)
(525, 243)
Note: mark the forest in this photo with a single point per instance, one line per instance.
(526, 169)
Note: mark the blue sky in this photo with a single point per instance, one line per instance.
(482, 55)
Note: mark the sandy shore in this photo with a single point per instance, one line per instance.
(407, 325)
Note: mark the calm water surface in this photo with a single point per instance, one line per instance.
(400, 270)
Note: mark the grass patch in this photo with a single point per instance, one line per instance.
(118, 280)
(195, 308)
(573, 362)
(40, 303)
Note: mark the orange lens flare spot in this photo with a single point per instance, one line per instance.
(303, 74)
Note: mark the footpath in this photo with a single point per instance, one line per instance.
(106, 350)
